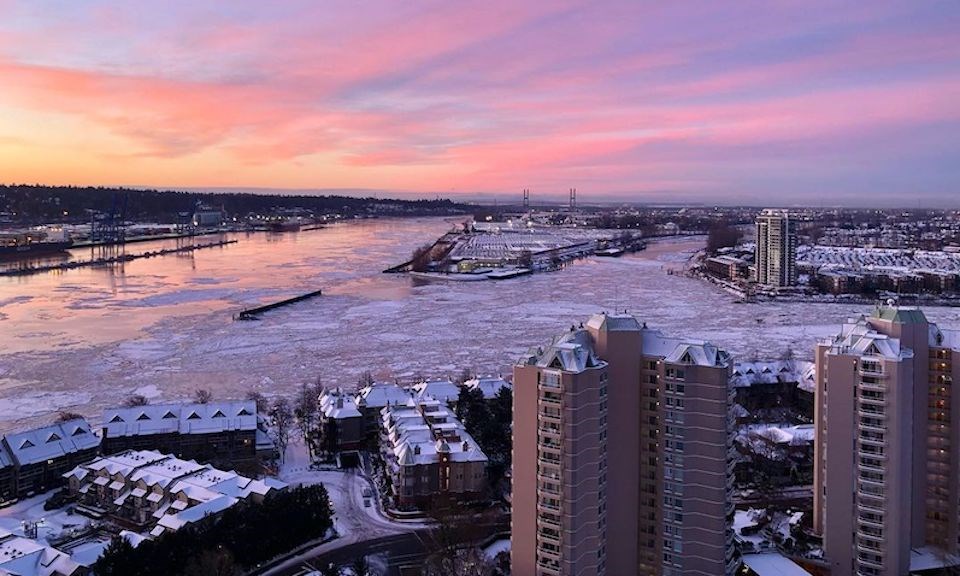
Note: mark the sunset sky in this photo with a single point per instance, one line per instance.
(804, 102)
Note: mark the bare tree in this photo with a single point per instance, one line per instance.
(65, 416)
(202, 396)
(282, 418)
(305, 409)
(261, 400)
(136, 400)
(366, 379)
(466, 374)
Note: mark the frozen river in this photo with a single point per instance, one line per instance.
(163, 327)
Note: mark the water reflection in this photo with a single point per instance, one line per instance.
(106, 302)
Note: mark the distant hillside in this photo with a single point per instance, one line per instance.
(32, 203)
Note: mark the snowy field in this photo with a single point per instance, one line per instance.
(163, 328)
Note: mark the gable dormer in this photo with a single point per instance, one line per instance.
(26, 444)
(169, 414)
(116, 418)
(244, 412)
(219, 414)
(686, 358)
(53, 437)
(79, 430)
(193, 416)
(143, 416)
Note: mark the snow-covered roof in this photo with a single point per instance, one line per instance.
(774, 372)
(944, 338)
(613, 322)
(338, 405)
(571, 352)
(24, 557)
(52, 441)
(489, 386)
(797, 434)
(206, 418)
(417, 438)
(773, 564)
(380, 394)
(188, 488)
(682, 350)
(858, 337)
(442, 390)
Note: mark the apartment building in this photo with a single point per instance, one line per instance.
(622, 454)
(33, 461)
(886, 470)
(373, 398)
(429, 454)
(341, 423)
(160, 491)
(776, 250)
(227, 433)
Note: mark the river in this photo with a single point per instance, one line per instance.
(162, 327)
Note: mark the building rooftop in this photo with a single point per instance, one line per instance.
(207, 418)
(489, 386)
(442, 390)
(24, 557)
(380, 394)
(682, 350)
(338, 405)
(53, 441)
(415, 438)
(571, 352)
(773, 372)
(900, 314)
(857, 337)
(773, 564)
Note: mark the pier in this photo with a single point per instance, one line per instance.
(108, 260)
(253, 313)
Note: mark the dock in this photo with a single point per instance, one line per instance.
(121, 258)
(253, 313)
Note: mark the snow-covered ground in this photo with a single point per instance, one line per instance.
(51, 524)
(83, 341)
(345, 487)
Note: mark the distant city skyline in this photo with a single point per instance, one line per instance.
(820, 104)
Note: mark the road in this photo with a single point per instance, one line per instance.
(387, 554)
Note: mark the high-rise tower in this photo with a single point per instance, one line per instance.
(776, 251)
(886, 468)
(622, 442)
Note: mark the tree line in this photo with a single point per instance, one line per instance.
(36, 203)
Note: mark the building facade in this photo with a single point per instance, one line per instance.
(33, 461)
(428, 454)
(227, 433)
(622, 455)
(341, 423)
(776, 251)
(160, 491)
(885, 479)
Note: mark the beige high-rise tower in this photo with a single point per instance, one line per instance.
(776, 251)
(886, 470)
(622, 455)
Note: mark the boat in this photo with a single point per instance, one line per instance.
(30, 244)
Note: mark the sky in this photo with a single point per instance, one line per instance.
(788, 102)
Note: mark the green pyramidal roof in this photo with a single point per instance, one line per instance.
(900, 315)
